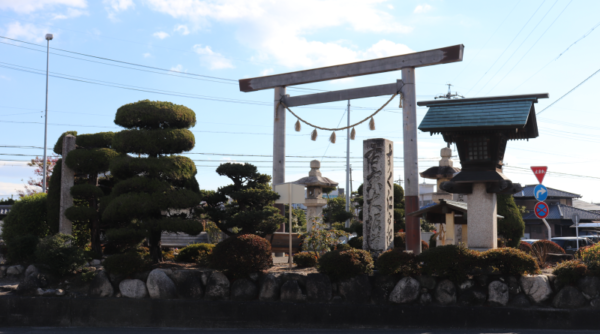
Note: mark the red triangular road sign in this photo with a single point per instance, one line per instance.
(540, 172)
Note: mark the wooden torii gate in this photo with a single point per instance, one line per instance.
(407, 64)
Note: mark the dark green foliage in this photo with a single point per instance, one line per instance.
(126, 264)
(80, 213)
(570, 272)
(433, 240)
(154, 142)
(450, 261)
(53, 201)
(175, 169)
(512, 226)
(305, 260)
(251, 210)
(59, 255)
(86, 191)
(400, 240)
(341, 265)
(335, 212)
(120, 239)
(148, 114)
(8, 201)
(59, 142)
(525, 247)
(129, 206)
(356, 242)
(508, 261)
(356, 227)
(342, 247)
(242, 255)
(141, 185)
(195, 253)
(551, 246)
(95, 140)
(395, 261)
(24, 225)
(91, 161)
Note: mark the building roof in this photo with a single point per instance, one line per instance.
(561, 211)
(552, 193)
(501, 112)
(577, 203)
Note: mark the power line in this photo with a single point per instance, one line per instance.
(569, 92)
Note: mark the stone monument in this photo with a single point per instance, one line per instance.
(314, 193)
(378, 194)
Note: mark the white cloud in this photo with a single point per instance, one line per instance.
(147, 55)
(28, 6)
(71, 13)
(4, 77)
(160, 35)
(113, 7)
(267, 27)
(178, 68)
(266, 71)
(7, 188)
(213, 60)
(183, 29)
(390, 6)
(423, 8)
(26, 31)
(385, 48)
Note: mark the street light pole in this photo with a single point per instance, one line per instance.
(44, 185)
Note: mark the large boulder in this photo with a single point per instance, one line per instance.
(513, 286)
(101, 286)
(301, 279)
(445, 292)
(30, 283)
(466, 285)
(537, 288)
(406, 291)
(498, 293)
(3, 271)
(133, 288)
(356, 289)
(318, 287)
(476, 295)
(15, 270)
(291, 292)
(520, 300)
(244, 289)
(270, 287)
(217, 286)
(31, 270)
(382, 286)
(160, 286)
(427, 282)
(188, 283)
(569, 297)
(590, 287)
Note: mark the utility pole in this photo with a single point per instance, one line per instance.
(44, 185)
(348, 166)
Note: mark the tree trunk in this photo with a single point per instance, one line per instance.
(95, 222)
(154, 243)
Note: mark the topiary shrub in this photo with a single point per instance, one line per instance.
(400, 240)
(242, 255)
(58, 254)
(305, 260)
(356, 242)
(552, 246)
(451, 261)
(508, 261)
(342, 247)
(395, 261)
(24, 225)
(512, 226)
(53, 199)
(569, 272)
(341, 265)
(525, 247)
(126, 264)
(591, 258)
(195, 253)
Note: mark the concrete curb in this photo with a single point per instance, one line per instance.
(121, 312)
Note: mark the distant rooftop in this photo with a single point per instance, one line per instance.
(552, 193)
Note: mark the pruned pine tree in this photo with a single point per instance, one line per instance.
(157, 191)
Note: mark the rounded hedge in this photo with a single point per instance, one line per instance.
(341, 265)
(508, 261)
(126, 264)
(90, 161)
(148, 114)
(25, 223)
(86, 191)
(80, 213)
(59, 254)
(305, 260)
(242, 255)
(395, 261)
(451, 261)
(551, 246)
(525, 247)
(195, 253)
(59, 142)
(131, 206)
(140, 184)
(154, 142)
(569, 272)
(119, 239)
(356, 242)
(169, 168)
(95, 140)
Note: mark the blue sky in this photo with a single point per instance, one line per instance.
(511, 47)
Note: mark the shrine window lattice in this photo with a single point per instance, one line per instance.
(478, 148)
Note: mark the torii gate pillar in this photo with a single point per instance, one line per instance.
(279, 138)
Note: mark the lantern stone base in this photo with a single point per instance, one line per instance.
(482, 219)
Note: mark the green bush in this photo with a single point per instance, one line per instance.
(450, 261)
(569, 272)
(58, 254)
(433, 240)
(340, 265)
(92, 161)
(509, 261)
(525, 247)
(242, 255)
(512, 226)
(342, 247)
(305, 260)
(87, 275)
(148, 114)
(126, 264)
(154, 142)
(53, 199)
(591, 258)
(24, 225)
(167, 168)
(356, 242)
(551, 246)
(396, 261)
(356, 227)
(95, 140)
(195, 253)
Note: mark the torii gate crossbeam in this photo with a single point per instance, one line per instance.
(407, 64)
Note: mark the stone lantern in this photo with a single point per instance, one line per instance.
(314, 192)
(481, 128)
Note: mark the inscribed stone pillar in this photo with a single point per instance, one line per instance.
(378, 193)
(450, 232)
(67, 179)
(482, 220)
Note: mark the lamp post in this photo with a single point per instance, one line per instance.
(44, 185)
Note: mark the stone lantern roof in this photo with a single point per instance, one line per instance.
(314, 178)
(445, 170)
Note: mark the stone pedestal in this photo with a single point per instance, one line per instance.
(67, 180)
(378, 193)
(450, 229)
(482, 219)
(314, 211)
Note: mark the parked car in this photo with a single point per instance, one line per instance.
(595, 238)
(530, 241)
(569, 244)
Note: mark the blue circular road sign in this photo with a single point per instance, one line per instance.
(540, 192)
(541, 210)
